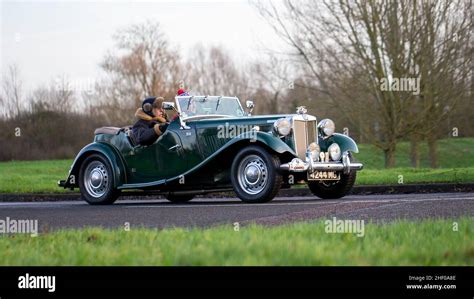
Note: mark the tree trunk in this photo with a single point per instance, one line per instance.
(415, 152)
(433, 152)
(390, 156)
(274, 109)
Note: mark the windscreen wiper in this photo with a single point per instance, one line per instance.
(189, 103)
(218, 102)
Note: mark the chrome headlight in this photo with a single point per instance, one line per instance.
(334, 152)
(314, 150)
(282, 126)
(327, 127)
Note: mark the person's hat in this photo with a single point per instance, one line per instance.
(152, 102)
(182, 92)
(147, 105)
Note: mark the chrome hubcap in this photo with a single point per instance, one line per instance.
(252, 174)
(96, 179)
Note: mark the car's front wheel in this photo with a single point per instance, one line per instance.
(333, 189)
(96, 181)
(255, 176)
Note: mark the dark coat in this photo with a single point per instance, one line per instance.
(147, 129)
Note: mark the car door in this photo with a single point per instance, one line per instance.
(161, 160)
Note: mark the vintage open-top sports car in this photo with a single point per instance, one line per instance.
(214, 145)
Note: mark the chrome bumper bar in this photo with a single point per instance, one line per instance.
(298, 165)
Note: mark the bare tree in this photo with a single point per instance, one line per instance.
(212, 71)
(11, 97)
(273, 78)
(58, 96)
(144, 64)
(351, 48)
(443, 57)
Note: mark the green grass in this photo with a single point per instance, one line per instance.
(452, 153)
(456, 159)
(396, 176)
(428, 242)
(33, 176)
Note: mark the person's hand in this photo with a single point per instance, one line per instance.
(161, 113)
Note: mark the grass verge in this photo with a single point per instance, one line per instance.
(456, 160)
(42, 176)
(33, 176)
(453, 152)
(427, 242)
(396, 176)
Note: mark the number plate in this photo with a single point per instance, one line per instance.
(323, 176)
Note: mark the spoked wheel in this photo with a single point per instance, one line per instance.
(255, 176)
(96, 181)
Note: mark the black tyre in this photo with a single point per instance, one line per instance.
(333, 190)
(254, 175)
(179, 198)
(96, 181)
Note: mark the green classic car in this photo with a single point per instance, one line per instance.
(214, 145)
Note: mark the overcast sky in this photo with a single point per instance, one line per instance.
(52, 38)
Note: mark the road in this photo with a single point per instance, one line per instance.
(204, 212)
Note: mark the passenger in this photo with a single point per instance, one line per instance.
(181, 92)
(151, 121)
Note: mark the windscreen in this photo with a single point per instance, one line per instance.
(201, 105)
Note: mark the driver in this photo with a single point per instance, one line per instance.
(151, 121)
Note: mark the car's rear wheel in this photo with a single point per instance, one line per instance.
(254, 175)
(333, 189)
(96, 181)
(179, 198)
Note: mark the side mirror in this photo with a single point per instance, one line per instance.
(172, 111)
(250, 105)
(168, 106)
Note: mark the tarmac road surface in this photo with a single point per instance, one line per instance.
(205, 212)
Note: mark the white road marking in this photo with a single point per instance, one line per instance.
(299, 203)
(40, 203)
(233, 203)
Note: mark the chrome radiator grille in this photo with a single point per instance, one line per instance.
(304, 132)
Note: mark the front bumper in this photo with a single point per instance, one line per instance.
(298, 165)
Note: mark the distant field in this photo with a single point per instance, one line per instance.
(428, 242)
(456, 158)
